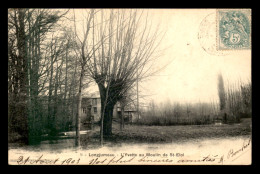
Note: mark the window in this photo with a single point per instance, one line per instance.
(84, 110)
(94, 102)
(95, 109)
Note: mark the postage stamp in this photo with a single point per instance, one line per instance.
(233, 29)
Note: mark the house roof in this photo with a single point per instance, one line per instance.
(92, 95)
(128, 108)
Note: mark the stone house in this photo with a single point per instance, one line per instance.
(91, 110)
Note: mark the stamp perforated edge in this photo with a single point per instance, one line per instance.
(248, 13)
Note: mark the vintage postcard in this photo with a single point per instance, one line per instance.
(129, 86)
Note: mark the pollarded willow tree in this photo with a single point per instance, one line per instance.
(125, 53)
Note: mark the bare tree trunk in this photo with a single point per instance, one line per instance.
(78, 115)
(103, 97)
(55, 103)
(106, 113)
(85, 58)
(122, 118)
(22, 63)
(106, 120)
(102, 125)
(50, 124)
(65, 102)
(108, 116)
(71, 94)
(137, 97)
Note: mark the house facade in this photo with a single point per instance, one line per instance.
(91, 110)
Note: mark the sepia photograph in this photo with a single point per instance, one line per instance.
(129, 86)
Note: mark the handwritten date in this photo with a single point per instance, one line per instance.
(27, 161)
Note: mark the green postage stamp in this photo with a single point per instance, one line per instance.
(233, 29)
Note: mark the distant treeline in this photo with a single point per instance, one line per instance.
(237, 105)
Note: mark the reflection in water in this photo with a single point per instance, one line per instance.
(59, 145)
(54, 145)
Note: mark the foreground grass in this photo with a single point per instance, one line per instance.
(165, 134)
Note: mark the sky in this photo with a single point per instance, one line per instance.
(191, 72)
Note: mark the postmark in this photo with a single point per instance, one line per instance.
(207, 35)
(233, 29)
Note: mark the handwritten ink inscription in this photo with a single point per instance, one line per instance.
(235, 153)
(41, 161)
(141, 158)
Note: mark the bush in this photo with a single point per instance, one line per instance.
(236, 104)
(178, 114)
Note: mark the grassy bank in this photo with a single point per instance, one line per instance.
(167, 134)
